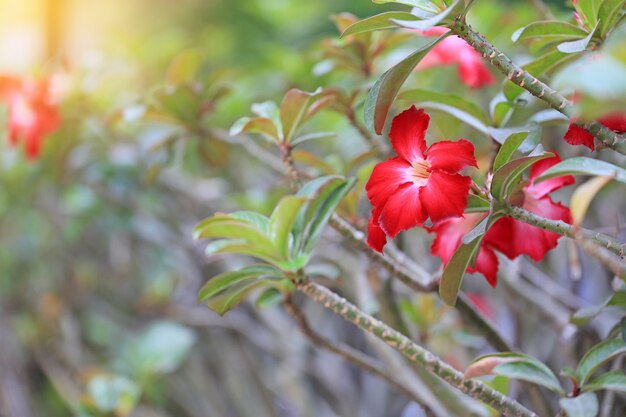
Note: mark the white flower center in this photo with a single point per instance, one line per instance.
(419, 172)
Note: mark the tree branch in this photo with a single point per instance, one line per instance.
(474, 388)
(351, 355)
(531, 84)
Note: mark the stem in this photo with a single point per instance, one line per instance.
(474, 388)
(407, 277)
(562, 228)
(351, 355)
(531, 84)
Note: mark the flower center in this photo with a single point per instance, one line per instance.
(419, 172)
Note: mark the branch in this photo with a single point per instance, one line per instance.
(588, 239)
(351, 355)
(474, 388)
(531, 84)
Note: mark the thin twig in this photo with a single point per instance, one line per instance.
(351, 355)
(531, 84)
(474, 388)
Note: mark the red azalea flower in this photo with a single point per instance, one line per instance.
(418, 183)
(509, 236)
(453, 50)
(31, 112)
(576, 135)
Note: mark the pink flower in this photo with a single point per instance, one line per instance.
(509, 236)
(32, 113)
(576, 135)
(418, 183)
(453, 50)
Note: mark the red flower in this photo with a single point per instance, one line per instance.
(418, 183)
(509, 236)
(31, 112)
(576, 135)
(453, 50)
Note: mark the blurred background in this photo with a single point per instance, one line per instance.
(98, 270)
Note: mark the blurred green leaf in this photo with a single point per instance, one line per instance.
(578, 45)
(293, 110)
(508, 148)
(612, 381)
(548, 29)
(583, 315)
(226, 226)
(588, 10)
(381, 95)
(378, 22)
(225, 280)
(609, 14)
(584, 166)
(476, 204)
(464, 110)
(181, 102)
(585, 405)
(597, 356)
(582, 197)
(113, 394)
(457, 8)
(261, 125)
(515, 366)
(501, 134)
(184, 67)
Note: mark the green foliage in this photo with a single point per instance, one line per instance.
(507, 177)
(584, 166)
(585, 405)
(382, 94)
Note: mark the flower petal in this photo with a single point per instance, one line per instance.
(615, 121)
(472, 70)
(385, 179)
(486, 264)
(449, 233)
(544, 188)
(376, 238)
(451, 156)
(513, 237)
(402, 211)
(576, 135)
(445, 195)
(407, 133)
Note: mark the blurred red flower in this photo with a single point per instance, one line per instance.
(509, 236)
(32, 114)
(418, 183)
(472, 70)
(576, 135)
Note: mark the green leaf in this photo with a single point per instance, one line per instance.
(225, 280)
(509, 174)
(225, 226)
(609, 14)
(477, 204)
(113, 394)
(516, 366)
(378, 22)
(537, 67)
(184, 67)
(260, 125)
(269, 298)
(501, 134)
(455, 270)
(549, 29)
(312, 136)
(282, 221)
(583, 195)
(588, 10)
(583, 315)
(241, 247)
(269, 110)
(613, 381)
(427, 6)
(381, 95)
(578, 45)
(237, 293)
(257, 219)
(324, 207)
(457, 8)
(597, 356)
(457, 106)
(508, 149)
(584, 166)
(180, 102)
(293, 110)
(585, 405)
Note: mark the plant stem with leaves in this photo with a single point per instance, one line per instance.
(531, 84)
